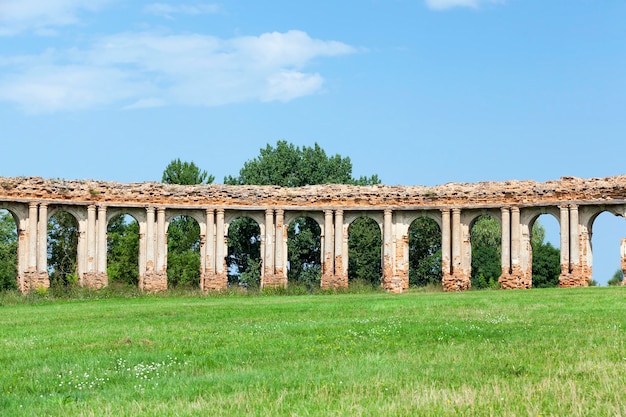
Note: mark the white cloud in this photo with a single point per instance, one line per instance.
(448, 4)
(43, 16)
(135, 70)
(167, 10)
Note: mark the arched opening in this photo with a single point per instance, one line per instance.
(546, 253)
(123, 250)
(62, 249)
(364, 251)
(304, 252)
(486, 241)
(244, 253)
(8, 251)
(183, 252)
(424, 253)
(606, 232)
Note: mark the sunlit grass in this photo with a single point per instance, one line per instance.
(553, 352)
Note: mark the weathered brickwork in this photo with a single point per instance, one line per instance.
(575, 202)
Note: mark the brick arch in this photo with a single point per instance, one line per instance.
(197, 215)
(257, 216)
(138, 214)
(377, 216)
(79, 213)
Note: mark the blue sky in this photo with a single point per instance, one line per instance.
(417, 91)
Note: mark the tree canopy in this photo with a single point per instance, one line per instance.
(183, 251)
(185, 173)
(288, 165)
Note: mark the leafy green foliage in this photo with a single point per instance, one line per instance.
(617, 278)
(123, 250)
(62, 249)
(244, 252)
(288, 165)
(304, 247)
(185, 173)
(183, 243)
(486, 252)
(424, 253)
(183, 252)
(364, 251)
(8, 252)
(546, 259)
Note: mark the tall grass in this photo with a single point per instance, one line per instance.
(558, 352)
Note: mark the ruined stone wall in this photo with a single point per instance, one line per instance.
(476, 195)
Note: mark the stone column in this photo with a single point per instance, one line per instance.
(280, 262)
(150, 239)
(574, 250)
(522, 280)
(564, 224)
(102, 240)
(459, 279)
(36, 274)
(388, 266)
(91, 239)
(579, 276)
(90, 277)
(505, 214)
(328, 259)
(100, 277)
(221, 273)
(341, 278)
(32, 237)
(154, 280)
(445, 243)
(623, 257)
(269, 255)
(42, 245)
(161, 238)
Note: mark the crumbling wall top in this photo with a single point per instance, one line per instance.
(610, 190)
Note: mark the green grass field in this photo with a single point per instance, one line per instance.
(553, 352)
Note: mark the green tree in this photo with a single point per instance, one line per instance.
(287, 165)
(185, 173)
(424, 252)
(123, 250)
(8, 252)
(364, 251)
(62, 249)
(183, 252)
(546, 259)
(617, 278)
(244, 252)
(486, 250)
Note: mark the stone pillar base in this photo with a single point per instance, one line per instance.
(579, 276)
(32, 280)
(214, 282)
(153, 282)
(515, 280)
(274, 281)
(95, 280)
(395, 285)
(572, 280)
(457, 282)
(334, 282)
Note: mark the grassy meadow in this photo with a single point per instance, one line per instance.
(552, 352)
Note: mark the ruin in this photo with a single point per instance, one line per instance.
(574, 202)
